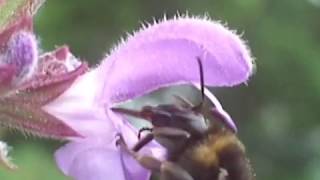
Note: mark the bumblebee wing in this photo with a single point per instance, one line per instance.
(183, 102)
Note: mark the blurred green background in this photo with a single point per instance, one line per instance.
(277, 112)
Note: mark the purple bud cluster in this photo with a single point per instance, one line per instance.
(21, 54)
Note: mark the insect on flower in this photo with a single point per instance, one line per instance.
(196, 149)
(141, 64)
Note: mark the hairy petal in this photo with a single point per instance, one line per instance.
(165, 54)
(93, 157)
(96, 159)
(77, 107)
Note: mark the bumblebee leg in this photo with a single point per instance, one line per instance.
(166, 132)
(167, 170)
(172, 171)
(171, 132)
(146, 161)
(142, 130)
(143, 141)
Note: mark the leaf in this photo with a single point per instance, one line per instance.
(7, 11)
(12, 11)
(6, 75)
(41, 90)
(21, 105)
(33, 120)
(22, 108)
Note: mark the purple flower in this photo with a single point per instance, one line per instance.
(27, 84)
(29, 81)
(22, 54)
(158, 55)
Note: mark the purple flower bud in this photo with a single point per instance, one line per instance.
(22, 54)
(57, 62)
(24, 90)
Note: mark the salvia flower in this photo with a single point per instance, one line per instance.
(158, 55)
(29, 81)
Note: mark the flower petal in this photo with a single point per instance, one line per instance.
(96, 159)
(165, 54)
(77, 107)
(218, 112)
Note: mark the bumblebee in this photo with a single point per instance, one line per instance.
(196, 149)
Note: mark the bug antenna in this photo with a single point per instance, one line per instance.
(199, 106)
(201, 79)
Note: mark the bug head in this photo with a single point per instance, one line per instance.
(146, 112)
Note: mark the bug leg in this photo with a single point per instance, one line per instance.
(161, 132)
(142, 130)
(168, 170)
(143, 141)
(146, 161)
(172, 171)
(170, 132)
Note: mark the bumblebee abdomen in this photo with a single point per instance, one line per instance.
(220, 156)
(233, 159)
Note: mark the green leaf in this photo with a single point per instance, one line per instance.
(22, 108)
(33, 120)
(13, 10)
(8, 10)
